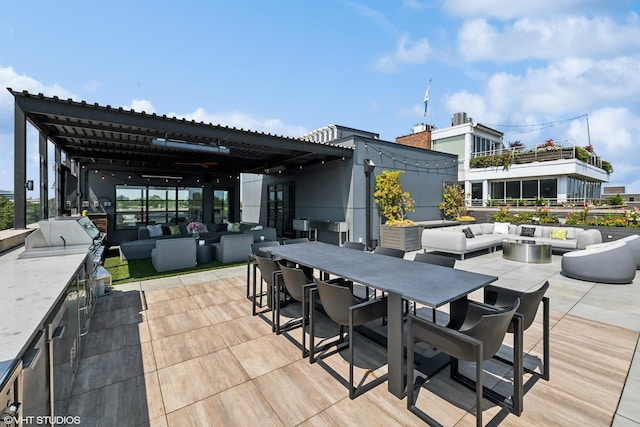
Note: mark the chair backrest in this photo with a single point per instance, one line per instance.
(529, 301)
(256, 247)
(435, 259)
(354, 245)
(491, 329)
(267, 266)
(336, 301)
(294, 280)
(381, 250)
(293, 241)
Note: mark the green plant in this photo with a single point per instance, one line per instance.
(616, 200)
(391, 200)
(453, 205)
(607, 167)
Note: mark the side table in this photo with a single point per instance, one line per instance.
(204, 253)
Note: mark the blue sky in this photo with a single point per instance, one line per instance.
(288, 67)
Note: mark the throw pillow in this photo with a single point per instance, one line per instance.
(468, 233)
(166, 231)
(175, 230)
(154, 230)
(235, 228)
(527, 231)
(222, 227)
(558, 234)
(501, 227)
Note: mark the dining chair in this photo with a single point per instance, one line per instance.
(381, 250)
(429, 258)
(345, 309)
(529, 303)
(479, 338)
(271, 274)
(256, 248)
(299, 287)
(354, 245)
(294, 241)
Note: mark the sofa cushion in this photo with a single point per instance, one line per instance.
(558, 234)
(501, 227)
(166, 231)
(476, 229)
(528, 231)
(468, 233)
(154, 230)
(487, 227)
(175, 230)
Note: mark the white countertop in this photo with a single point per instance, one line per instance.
(29, 289)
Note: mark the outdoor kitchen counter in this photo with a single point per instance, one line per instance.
(29, 291)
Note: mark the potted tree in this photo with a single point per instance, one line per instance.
(396, 231)
(453, 206)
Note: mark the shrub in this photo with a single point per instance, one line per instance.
(391, 200)
(616, 200)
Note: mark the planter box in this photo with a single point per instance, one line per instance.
(404, 238)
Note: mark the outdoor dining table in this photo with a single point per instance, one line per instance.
(428, 284)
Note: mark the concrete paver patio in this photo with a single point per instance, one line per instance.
(186, 350)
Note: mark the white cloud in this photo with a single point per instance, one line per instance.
(141, 105)
(242, 121)
(19, 82)
(509, 9)
(406, 52)
(551, 38)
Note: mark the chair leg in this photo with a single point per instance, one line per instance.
(352, 390)
(545, 338)
(479, 387)
(312, 349)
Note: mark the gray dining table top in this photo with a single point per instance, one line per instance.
(431, 285)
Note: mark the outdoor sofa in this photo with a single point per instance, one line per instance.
(146, 242)
(613, 263)
(464, 239)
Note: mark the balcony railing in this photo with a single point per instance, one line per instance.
(539, 153)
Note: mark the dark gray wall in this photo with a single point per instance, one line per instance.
(336, 191)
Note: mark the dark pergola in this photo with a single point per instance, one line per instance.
(121, 140)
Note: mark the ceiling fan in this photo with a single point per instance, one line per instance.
(201, 164)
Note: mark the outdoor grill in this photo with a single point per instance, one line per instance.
(63, 236)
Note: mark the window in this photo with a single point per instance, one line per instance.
(513, 190)
(137, 205)
(220, 206)
(530, 189)
(549, 188)
(130, 206)
(497, 190)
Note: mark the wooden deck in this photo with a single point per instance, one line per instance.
(186, 351)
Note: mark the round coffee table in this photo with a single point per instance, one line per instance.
(529, 251)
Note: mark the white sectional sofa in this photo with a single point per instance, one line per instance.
(490, 235)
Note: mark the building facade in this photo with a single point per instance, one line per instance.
(495, 173)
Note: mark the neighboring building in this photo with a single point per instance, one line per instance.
(7, 194)
(632, 199)
(522, 173)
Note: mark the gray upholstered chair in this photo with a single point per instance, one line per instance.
(299, 288)
(613, 263)
(354, 245)
(345, 309)
(529, 303)
(174, 254)
(477, 339)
